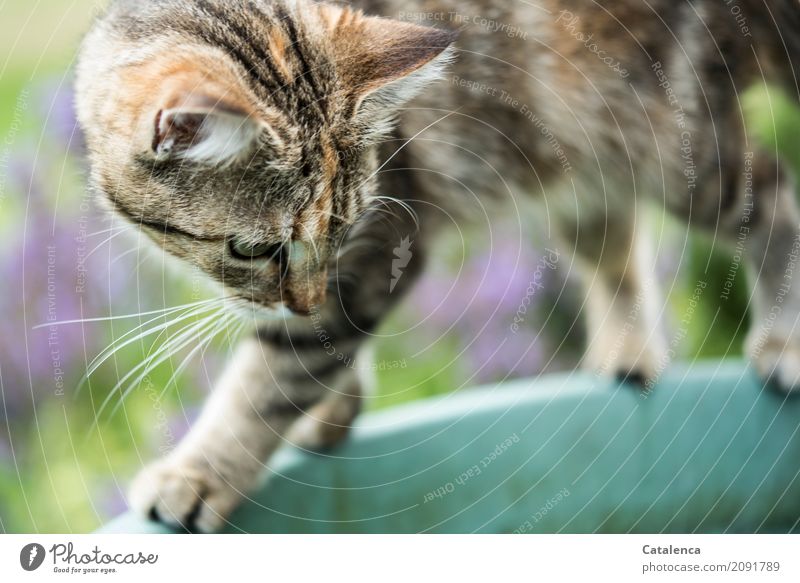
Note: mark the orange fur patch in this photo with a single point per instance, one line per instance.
(330, 167)
(277, 48)
(174, 81)
(335, 18)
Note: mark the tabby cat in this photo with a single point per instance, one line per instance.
(286, 148)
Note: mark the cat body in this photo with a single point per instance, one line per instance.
(288, 149)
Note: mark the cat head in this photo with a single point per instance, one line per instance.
(240, 135)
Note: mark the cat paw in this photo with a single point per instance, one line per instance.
(633, 376)
(778, 361)
(636, 366)
(183, 495)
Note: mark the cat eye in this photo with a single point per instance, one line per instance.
(248, 252)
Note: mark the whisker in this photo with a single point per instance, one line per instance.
(358, 243)
(114, 228)
(118, 345)
(224, 321)
(162, 311)
(125, 254)
(108, 240)
(384, 199)
(164, 352)
(208, 325)
(342, 278)
(406, 143)
(379, 211)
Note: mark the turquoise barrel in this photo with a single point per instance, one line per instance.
(709, 449)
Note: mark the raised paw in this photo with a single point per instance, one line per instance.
(184, 495)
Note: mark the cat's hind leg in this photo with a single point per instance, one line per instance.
(328, 422)
(622, 299)
(772, 241)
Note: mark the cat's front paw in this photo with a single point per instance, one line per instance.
(777, 360)
(184, 495)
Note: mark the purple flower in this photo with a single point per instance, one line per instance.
(492, 306)
(58, 265)
(55, 105)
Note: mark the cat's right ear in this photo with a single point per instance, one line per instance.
(203, 129)
(385, 62)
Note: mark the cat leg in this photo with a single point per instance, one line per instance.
(750, 205)
(199, 483)
(772, 251)
(299, 373)
(328, 422)
(622, 299)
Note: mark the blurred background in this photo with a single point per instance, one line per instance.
(69, 448)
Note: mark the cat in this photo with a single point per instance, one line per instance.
(288, 148)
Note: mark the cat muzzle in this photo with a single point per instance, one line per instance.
(302, 291)
(304, 285)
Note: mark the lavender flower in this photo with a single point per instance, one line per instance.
(480, 304)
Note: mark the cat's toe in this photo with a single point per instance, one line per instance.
(187, 496)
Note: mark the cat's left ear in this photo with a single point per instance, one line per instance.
(384, 62)
(200, 128)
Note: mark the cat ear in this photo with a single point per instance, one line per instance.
(385, 62)
(206, 130)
